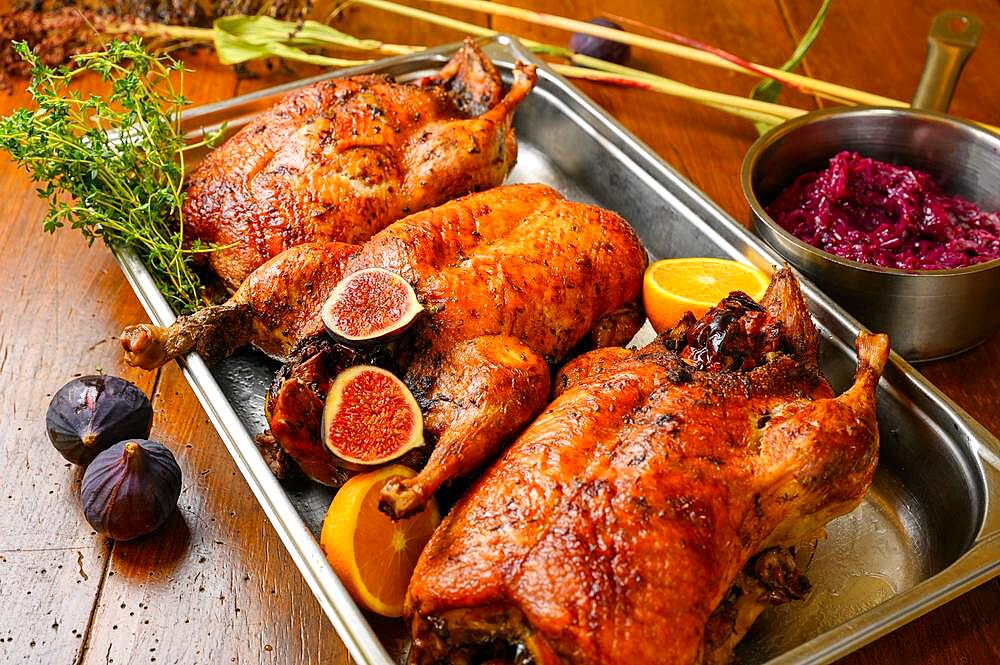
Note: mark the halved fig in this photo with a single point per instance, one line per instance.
(370, 305)
(370, 417)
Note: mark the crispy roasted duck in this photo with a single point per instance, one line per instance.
(513, 279)
(646, 515)
(340, 159)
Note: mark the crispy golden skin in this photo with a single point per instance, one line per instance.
(616, 525)
(341, 159)
(518, 260)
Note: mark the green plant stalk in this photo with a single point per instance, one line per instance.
(455, 24)
(113, 166)
(733, 104)
(234, 48)
(242, 38)
(832, 91)
(768, 112)
(746, 108)
(265, 37)
(769, 89)
(816, 86)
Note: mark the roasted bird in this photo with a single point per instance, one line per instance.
(646, 515)
(513, 278)
(340, 159)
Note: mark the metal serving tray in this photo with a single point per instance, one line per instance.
(928, 530)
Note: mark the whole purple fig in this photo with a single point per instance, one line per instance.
(93, 412)
(598, 47)
(130, 489)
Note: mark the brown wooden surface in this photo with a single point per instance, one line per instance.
(215, 585)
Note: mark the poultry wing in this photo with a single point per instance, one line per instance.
(341, 159)
(646, 515)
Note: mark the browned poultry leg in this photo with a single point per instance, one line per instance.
(214, 332)
(275, 307)
(486, 390)
(813, 450)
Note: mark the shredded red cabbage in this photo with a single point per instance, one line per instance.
(886, 215)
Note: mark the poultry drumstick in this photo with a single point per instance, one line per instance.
(274, 309)
(645, 515)
(341, 159)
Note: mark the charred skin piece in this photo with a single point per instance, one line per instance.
(513, 279)
(275, 308)
(341, 159)
(645, 516)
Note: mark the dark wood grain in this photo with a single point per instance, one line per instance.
(216, 585)
(217, 571)
(61, 307)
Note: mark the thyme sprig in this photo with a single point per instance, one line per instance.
(113, 166)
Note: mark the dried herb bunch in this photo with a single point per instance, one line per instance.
(56, 36)
(57, 30)
(113, 166)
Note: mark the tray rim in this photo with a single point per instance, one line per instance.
(979, 563)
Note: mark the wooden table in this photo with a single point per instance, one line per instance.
(216, 585)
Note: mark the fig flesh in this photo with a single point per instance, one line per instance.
(293, 405)
(130, 489)
(370, 305)
(91, 413)
(370, 417)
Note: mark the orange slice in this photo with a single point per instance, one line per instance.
(372, 555)
(674, 286)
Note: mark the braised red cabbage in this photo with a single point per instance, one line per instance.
(886, 215)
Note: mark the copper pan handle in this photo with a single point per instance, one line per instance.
(951, 39)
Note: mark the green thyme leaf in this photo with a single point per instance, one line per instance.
(113, 166)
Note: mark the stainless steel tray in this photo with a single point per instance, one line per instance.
(928, 530)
